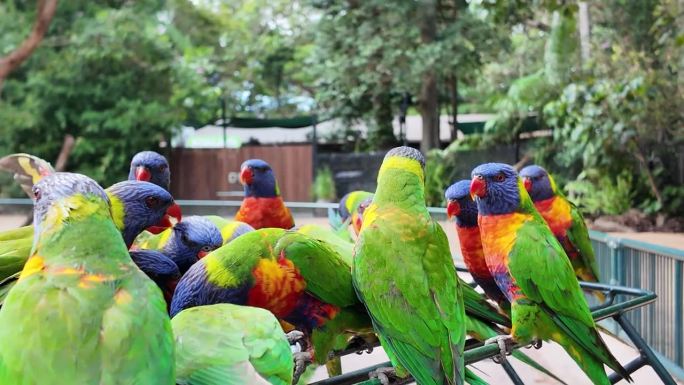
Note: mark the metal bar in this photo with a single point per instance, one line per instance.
(512, 374)
(644, 350)
(678, 311)
(631, 367)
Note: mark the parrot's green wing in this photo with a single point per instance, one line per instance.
(149, 241)
(543, 272)
(230, 344)
(27, 169)
(105, 317)
(327, 274)
(417, 307)
(344, 249)
(13, 255)
(18, 233)
(578, 234)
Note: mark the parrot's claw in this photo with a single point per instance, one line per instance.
(537, 344)
(294, 336)
(301, 361)
(383, 374)
(505, 343)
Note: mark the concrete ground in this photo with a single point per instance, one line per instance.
(551, 356)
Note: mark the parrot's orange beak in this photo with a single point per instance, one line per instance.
(453, 209)
(478, 186)
(527, 182)
(202, 254)
(357, 222)
(246, 176)
(142, 174)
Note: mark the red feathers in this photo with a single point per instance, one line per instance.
(265, 212)
(173, 215)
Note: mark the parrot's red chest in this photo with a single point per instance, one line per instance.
(471, 248)
(280, 288)
(265, 212)
(556, 213)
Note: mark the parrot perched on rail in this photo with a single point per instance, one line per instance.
(186, 242)
(149, 166)
(301, 280)
(461, 205)
(564, 219)
(531, 268)
(82, 312)
(226, 344)
(262, 205)
(134, 206)
(229, 229)
(404, 274)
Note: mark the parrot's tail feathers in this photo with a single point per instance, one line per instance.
(524, 358)
(472, 379)
(587, 361)
(334, 367)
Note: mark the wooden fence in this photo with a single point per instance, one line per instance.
(214, 173)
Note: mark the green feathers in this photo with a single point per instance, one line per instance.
(229, 344)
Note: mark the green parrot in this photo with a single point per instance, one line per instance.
(404, 274)
(226, 344)
(300, 279)
(82, 312)
(532, 270)
(343, 247)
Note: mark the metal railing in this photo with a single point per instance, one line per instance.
(656, 268)
(620, 301)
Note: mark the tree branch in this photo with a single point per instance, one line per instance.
(46, 10)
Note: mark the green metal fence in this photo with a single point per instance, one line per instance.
(655, 268)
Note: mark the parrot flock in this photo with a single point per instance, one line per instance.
(121, 288)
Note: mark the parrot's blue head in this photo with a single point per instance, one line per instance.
(137, 206)
(193, 238)
(238, 229)
(496, 187)
(159, 268)
(149, 166)
(58, 196)
(460, 204)
(537, 182)
(258, 179)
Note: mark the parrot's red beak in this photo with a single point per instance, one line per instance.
(527, 182)
(174, 211)
(246, 176)
(202, 254)
(357, 222)
(142, 174)
(478, 186)
(453, 209)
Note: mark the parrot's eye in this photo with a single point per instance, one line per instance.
(499, 177)
(37, 193)
(206, 248)
(163, 167)
(152, 202)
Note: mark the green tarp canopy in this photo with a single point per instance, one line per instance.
(296, 122)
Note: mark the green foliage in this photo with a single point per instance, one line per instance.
(324, 185)
(613, 196)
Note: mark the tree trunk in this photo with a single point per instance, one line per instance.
(453, 99)
(584, 32)
(381, 135)
(428, 98)
(44, 13)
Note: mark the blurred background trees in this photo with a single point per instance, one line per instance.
(606, 78)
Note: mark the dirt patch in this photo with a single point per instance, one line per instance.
(637, 221)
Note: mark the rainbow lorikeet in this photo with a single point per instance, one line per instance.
(230, 345)
(564, 219)
(82, 312)
(344, 248)
(461, 205)
(186, 242)
(159, 268)
(262, 205)
(149, 166)
(531, 268)
(301, 280)
(348, 212)
(404, 274)
(229, 229)
(134, 206)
